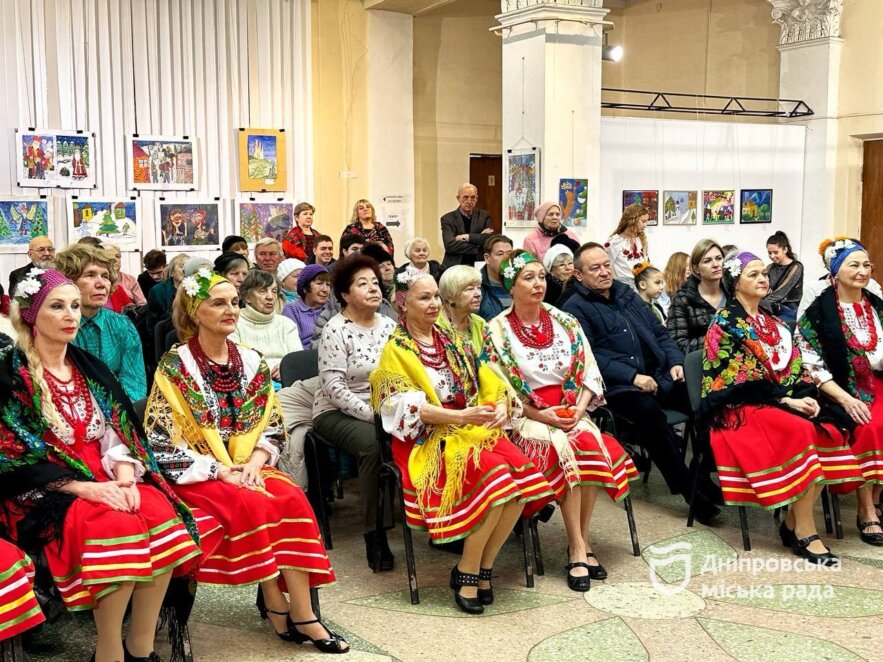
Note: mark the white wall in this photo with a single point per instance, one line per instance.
(675, 155)
(168, 67)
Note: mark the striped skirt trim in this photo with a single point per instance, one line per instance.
(19, 610)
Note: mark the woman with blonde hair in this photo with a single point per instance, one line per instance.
(628, 245)
(699, 298)
(460, 292)
(676, 272)
(364, 224)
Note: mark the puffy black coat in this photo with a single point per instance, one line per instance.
(689, 316)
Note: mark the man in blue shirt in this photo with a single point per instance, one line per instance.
(108, 335)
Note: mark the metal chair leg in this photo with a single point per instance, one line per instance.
(826, 509)
(838, 522)
(533, 525)
(314, 601)
(694, 489)
(378, 520)
(316, 494)
(409, 542)
(743, 522)
(633, 529)
(528, 548)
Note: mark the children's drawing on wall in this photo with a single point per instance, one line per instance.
(757, 206)
(679, 207)
(573, 198)
(188, 223)
(22, 219)
(56, 159)
(264, 219)
(114, 220)
(649, 199)
(522, 180)
(162, 163)
(717, 207)
(262, 160)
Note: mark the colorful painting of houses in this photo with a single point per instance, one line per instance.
(115, 221)
(648, 199)
(162, 163)
(757, 206)
(717, 207)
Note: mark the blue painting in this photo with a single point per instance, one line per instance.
(22, 220)
(757, 206)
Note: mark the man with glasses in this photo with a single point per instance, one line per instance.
(465, 229)
(154, 266)
(41, 252)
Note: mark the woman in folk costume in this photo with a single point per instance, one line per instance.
(770, 447)
(544, 355)
(446, 412)
(216, 428)
(841, 339)
(20, 610)
(76, 479)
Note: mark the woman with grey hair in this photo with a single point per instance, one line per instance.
(417, 252)
(460, 292)
(260, 326)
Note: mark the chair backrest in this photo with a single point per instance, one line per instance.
(140, 408)
(159, 337)
(693, 377)
(171, 340)
(297, 366)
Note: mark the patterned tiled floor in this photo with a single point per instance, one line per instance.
(693, 594)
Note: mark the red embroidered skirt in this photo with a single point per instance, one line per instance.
(263, 533)
(19, 610)
(101, 547)
(867, 440)
(601, 464)
(501, 475)
(774, 457)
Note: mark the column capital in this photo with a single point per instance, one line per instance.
(806, 20)
(517, 12)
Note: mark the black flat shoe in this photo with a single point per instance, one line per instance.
(580, 584)
(824, 559)
(387, 560)
(330, 645)
(596, 572)
(458, 579)
(787, 535)
(128, 657)
(486, 595)
(875, 539)
(704, 511)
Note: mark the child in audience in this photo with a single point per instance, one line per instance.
(650, 284)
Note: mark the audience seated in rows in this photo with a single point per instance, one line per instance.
(460, 293)
(494, 297)
(267, 254)
(233, 267)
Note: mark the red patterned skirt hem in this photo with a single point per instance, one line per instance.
(19, 610)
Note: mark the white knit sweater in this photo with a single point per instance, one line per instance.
(272, 335)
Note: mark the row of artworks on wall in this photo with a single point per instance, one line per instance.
(718, 207)
(67, 159)
(182, 224)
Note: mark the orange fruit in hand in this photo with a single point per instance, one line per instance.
(564, 412)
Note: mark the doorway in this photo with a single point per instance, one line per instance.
(486, 173)
(872, 202)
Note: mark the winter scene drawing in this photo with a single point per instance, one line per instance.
(261, 160)
(113, 220)
(162, 163)
(649, 199)
(56, 159)
(264, 219)
(679, 207)
(21, 220)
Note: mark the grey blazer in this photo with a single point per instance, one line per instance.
(464, 252)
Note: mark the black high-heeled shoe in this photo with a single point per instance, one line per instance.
(875, 539)
(486, 595)
(128, 657)
(801, 546)
(330, 645)
(787, 535)
(458, 579)
(596, 572)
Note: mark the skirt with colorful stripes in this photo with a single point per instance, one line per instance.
(774, 457)
(867, 440)
(263, 531)
(500, 475)
(19, 610)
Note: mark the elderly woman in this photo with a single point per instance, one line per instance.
(417, 252)
(460, 292)
(288, 272)
(558, 263)
(126, 291)
(349, 348)
(548, 217)
(770, 447)
(298, 243)
(216, 430)
(544, 355)
(701, 295)
(364, 224)
(77, 481)
(628, 245)
(314, 289)
(841, 338)
(233, 267)
(446, 412)
(260, 326)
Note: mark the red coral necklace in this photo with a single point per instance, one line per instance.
(66, 400)
(540, 336)
(222, 378)
(865, 317)
(768, 332)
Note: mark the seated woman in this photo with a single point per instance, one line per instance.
(544, 355)
(259, 326)
(701, 295)
(348, 352)
(314, 290)
(841, 339)
(770, 447)
(786, 279)
(216, 430)
(677, 270)
(21, 611)
(287, 273)
(76, 480)
(126, 290)
(559, 269)
(417, 252)
(446, 412)
(233, 267)
(460, 292)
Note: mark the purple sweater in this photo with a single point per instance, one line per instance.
(305, 318)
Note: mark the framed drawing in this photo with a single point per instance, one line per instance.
(185, 223)
(522, 186)
(572, 197)
(114, 220)
(679, 207)
(257, 220)
(262, 163)
(717, 208)
(22, 219)
(161, 163)
(757, 205)
(55, 159)
(649, 199)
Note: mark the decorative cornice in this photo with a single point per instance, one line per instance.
(512, 5)
(806, 20)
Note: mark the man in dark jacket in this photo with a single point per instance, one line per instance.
(494, 297)
(642, 366)
(465, 229)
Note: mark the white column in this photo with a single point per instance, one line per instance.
(552, 93)
(809, 69)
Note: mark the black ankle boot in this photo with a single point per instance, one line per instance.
(387, 560)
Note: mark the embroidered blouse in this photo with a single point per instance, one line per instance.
(624, 254)
(377, 233)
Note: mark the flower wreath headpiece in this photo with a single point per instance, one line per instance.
(509, 269)
(197, 288)
(736, 264)
(640, 268)
(835, 251)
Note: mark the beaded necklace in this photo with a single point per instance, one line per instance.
(435, 356)
(540, 336)
(221, 378)
(864, 316)
(768, 332)
(66, 399)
